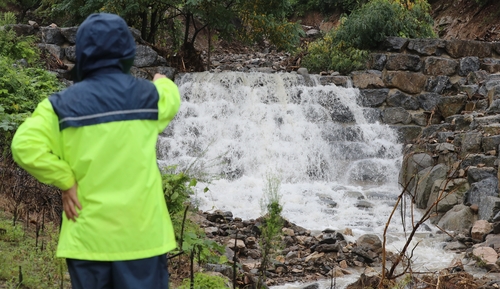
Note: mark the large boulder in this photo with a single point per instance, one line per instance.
(445, 195)
(459, 219)
(412, 164)
(425, 180)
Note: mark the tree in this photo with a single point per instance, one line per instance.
(251, 20)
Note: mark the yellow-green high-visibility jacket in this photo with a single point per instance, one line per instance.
(101, 133)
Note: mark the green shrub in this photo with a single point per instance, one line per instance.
(345, 49)
(205, 281)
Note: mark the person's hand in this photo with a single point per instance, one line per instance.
(158, 76)
(70, 202)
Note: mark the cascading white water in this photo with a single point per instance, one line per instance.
(337, 165)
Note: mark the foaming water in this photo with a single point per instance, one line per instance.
(337, 165)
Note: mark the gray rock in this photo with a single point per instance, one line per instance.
(373, 97)
(490, 143)
(471, 143)
(444, 136)
(378, 61)
(412, 164)
(370, 241)
(438, 84)
(403, 62)
(446, 194)
(467, 65)
(427, 46)
(219, 268)
(475, 174)
(490, 65)
(460, 48)
(372, 115)
(69, 34)
(479, 190)
(70, 53)
(451, 105)
(53, 49)
(455, 246)
(394, 43)
(52, 35)
(440, 66)
(476, 159)
(408, 133)
(400, 99)
(393, 115)
(367, 79)
(489, 207)
(458, 219)
(429, 101)
(425, 180)
(145, 56)
(476, 77)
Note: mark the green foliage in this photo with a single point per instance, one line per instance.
(345, 49)
(13, 46)
(205, 281)
(368, 26)
(328, 6)
(22, 88)
(272, 226)
(7, 18)
(178, 188)
(39, 266)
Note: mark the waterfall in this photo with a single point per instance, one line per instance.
(338, 166)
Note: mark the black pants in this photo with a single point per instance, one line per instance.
(149, 273)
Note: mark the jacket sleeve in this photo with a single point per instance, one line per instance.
(36, 148)
(169, 102)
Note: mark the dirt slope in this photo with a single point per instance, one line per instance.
(464, 19)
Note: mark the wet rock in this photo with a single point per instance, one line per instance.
(400, 99)
(393, 115)
(373, 97)
(370, 241)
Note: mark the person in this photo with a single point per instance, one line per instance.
(96, 141)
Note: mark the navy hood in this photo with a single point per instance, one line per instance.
(103, 41)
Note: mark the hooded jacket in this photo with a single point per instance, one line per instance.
(101, 133)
